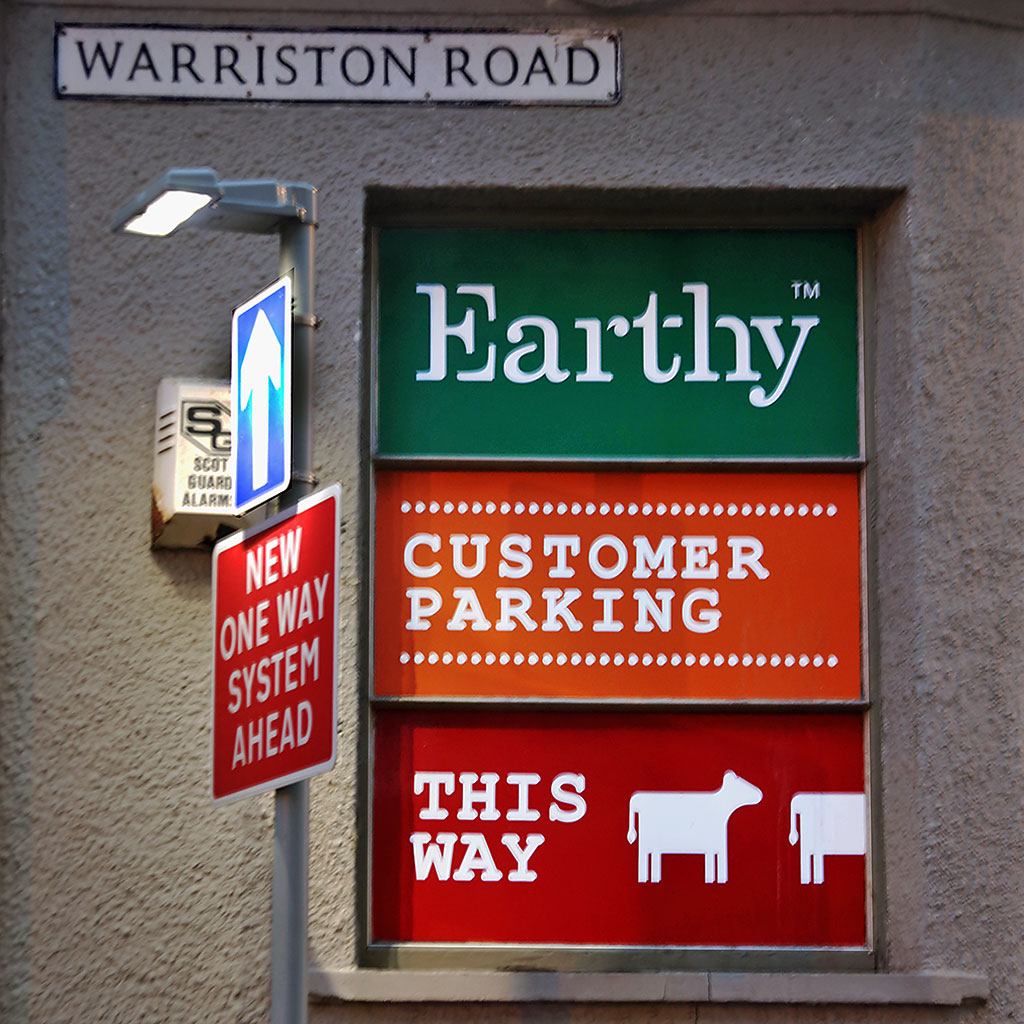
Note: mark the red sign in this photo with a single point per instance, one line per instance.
(275, 623)
(662, 585)
(638, 829)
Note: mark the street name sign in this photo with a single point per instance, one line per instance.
(257, 65)
(261, 395)
(275, 627)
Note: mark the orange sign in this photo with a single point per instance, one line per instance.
(652, 585)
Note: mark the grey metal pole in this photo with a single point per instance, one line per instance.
(289, 903)
(290, 896)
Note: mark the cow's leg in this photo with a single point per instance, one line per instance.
(709, 866)
(818, 860)
(805, 863)
(723, 864)
(656, 865)
(643, 857)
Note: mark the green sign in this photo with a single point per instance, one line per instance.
(617, 344)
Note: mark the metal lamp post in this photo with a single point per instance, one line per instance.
(196, 197)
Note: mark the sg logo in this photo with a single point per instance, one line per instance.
(207, 424)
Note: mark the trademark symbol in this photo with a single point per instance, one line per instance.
(807, 289)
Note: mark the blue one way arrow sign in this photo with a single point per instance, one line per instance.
(261, 395)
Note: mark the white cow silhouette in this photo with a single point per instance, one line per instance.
(829, 823)
(687, 823)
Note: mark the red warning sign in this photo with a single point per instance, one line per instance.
(275, 624)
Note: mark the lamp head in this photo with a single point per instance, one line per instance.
(197, 197)
(169, 202)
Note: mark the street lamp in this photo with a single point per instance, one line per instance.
(196, 197)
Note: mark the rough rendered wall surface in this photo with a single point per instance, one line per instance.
(124, 894)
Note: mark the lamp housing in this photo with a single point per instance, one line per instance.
(196, 197)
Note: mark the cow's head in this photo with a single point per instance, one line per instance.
(742, 793)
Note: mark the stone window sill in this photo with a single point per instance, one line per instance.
(368, 985)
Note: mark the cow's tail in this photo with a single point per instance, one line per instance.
(631, 834)
(794, 835)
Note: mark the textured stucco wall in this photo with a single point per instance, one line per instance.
(125, 895)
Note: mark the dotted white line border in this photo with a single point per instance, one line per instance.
(619, 508)
(646, 659)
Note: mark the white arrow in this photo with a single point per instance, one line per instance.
(261, 367)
